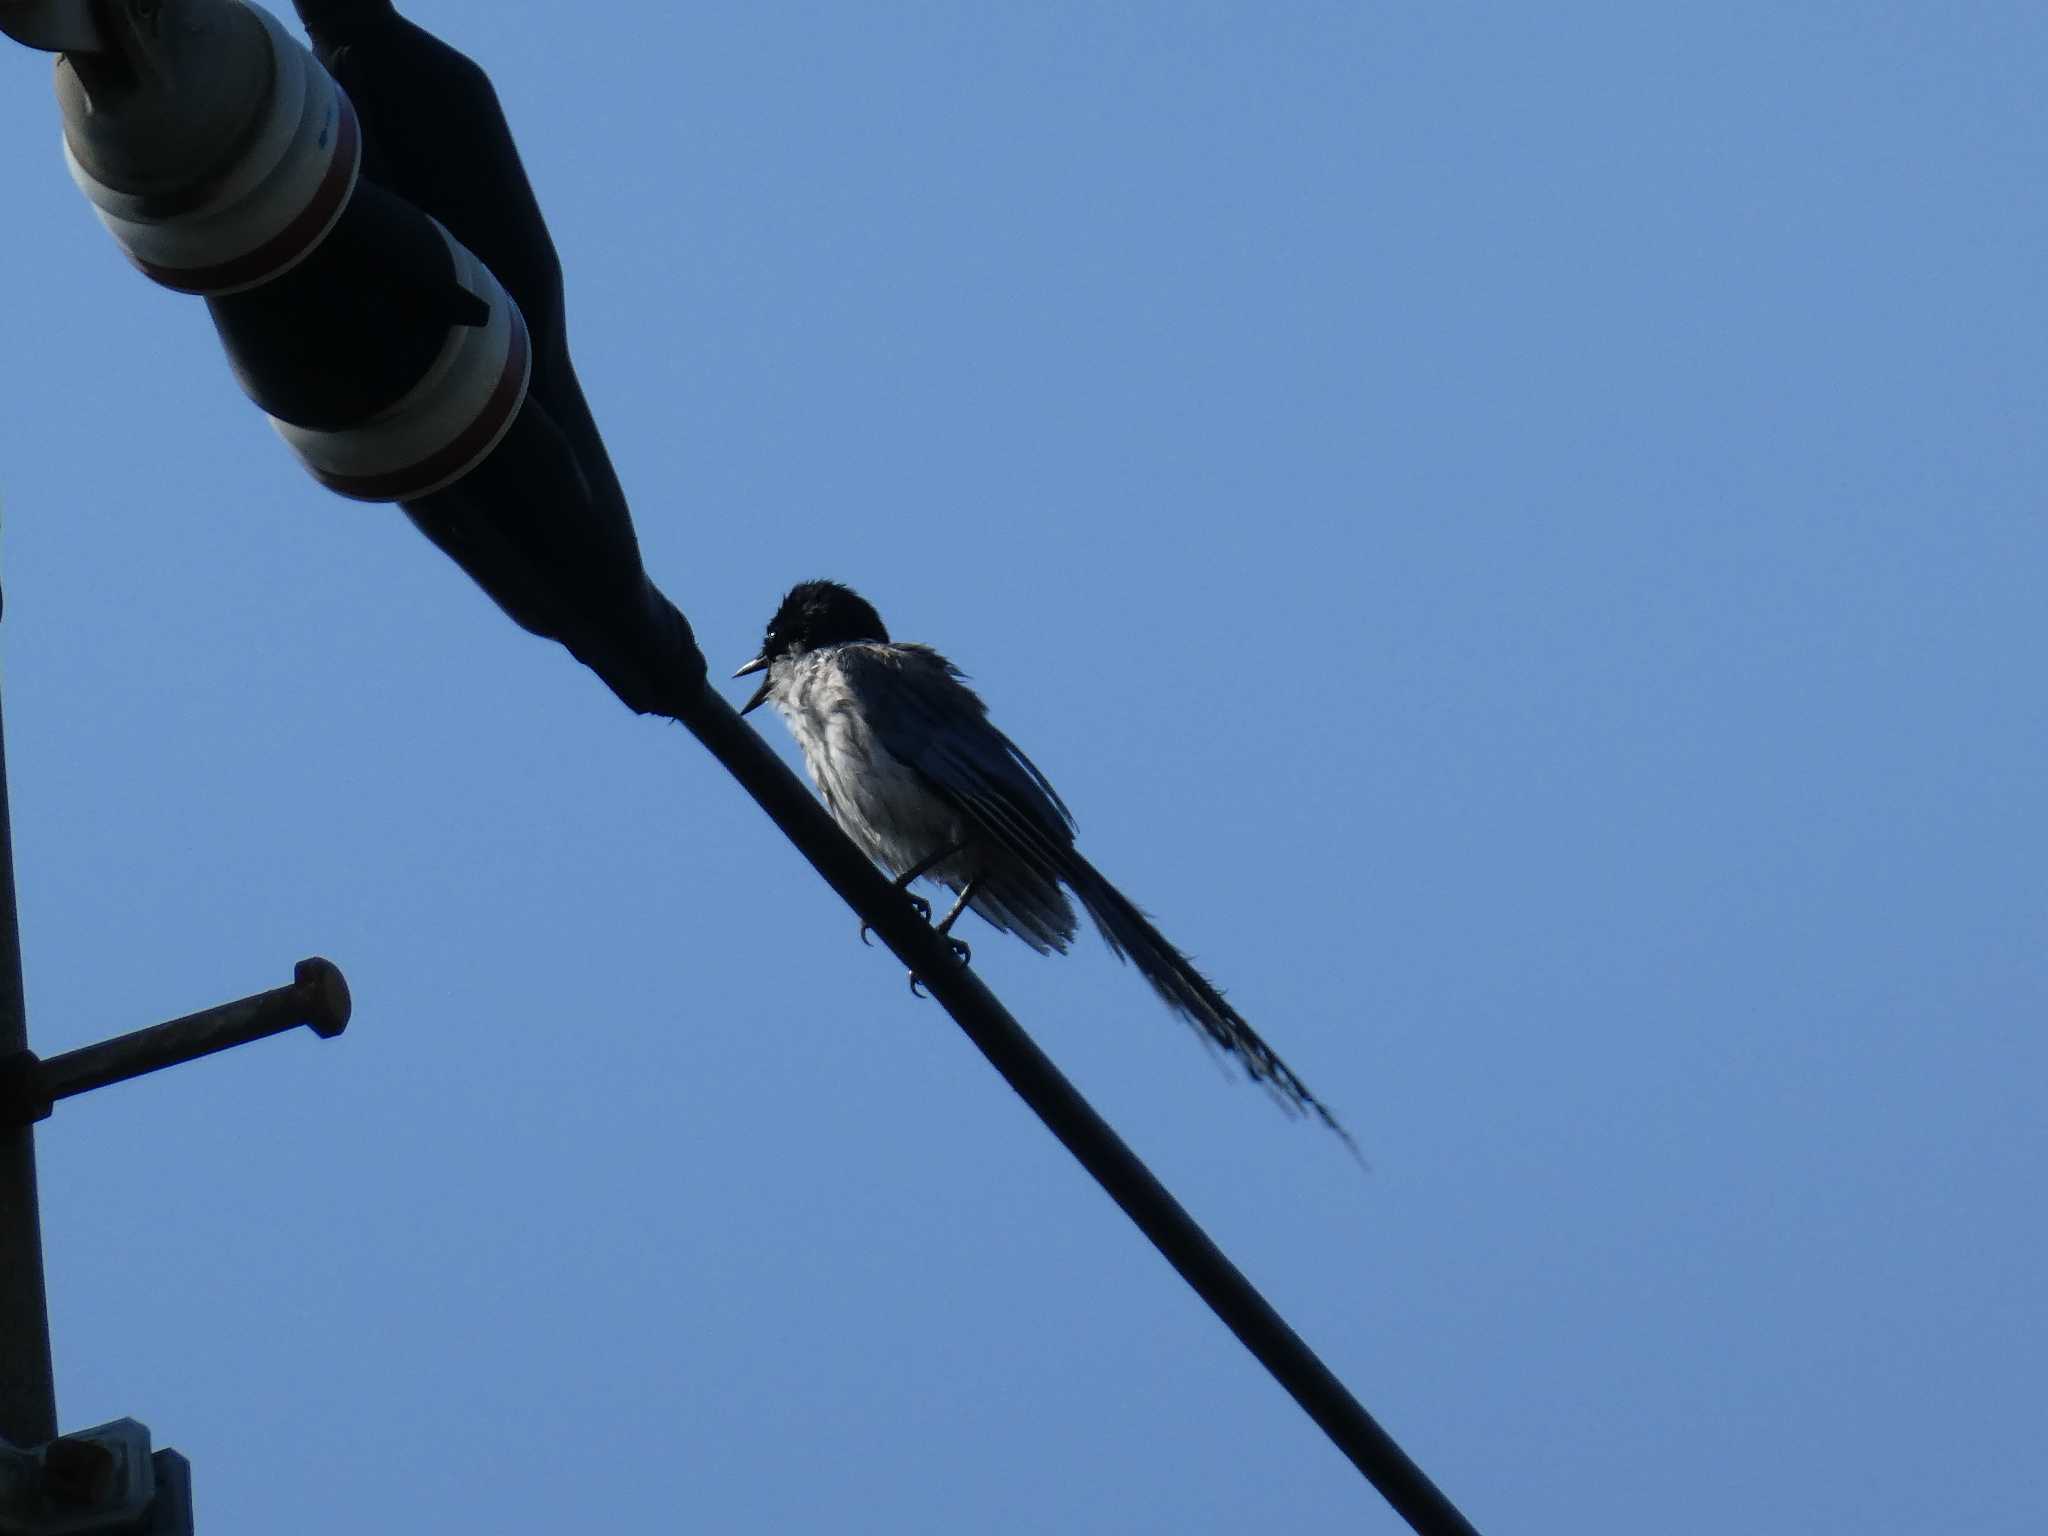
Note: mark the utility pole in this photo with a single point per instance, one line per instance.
(28, 1397)
(106, 1480)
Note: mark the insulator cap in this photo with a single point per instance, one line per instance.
(448, 422)
(219, 228)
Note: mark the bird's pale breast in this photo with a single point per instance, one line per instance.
(879, 802)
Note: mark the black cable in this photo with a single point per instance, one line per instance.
(998, 1036)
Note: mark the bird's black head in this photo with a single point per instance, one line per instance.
(815, 613)
(820, 613)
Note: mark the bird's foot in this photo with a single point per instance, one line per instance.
(922, 907)
(961, 955)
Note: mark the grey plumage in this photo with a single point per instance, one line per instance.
(908, 763)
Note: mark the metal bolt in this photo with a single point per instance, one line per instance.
(324, 994)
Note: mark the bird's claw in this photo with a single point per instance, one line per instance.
(918, 904)
(961, 955)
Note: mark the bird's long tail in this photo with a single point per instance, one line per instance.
(1130, 934)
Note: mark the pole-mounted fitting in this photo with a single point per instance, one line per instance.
(103, 1481)
(31, 1085)
(55, 26)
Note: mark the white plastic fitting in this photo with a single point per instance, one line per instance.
(448, 422)
(261, 215)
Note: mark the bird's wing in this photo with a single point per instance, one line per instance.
(930, 721)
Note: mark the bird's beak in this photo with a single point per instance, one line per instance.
(758, 664)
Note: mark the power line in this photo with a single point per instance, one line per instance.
(1125, 1179)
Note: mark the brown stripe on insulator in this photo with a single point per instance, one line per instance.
(288, 244)
(415, 479)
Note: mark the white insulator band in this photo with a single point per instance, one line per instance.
(448, 422)
(265, 213)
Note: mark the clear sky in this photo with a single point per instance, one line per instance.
(1519, 532)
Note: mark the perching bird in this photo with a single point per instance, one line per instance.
(910, 767)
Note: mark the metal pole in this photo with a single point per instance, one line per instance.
(28, 1394)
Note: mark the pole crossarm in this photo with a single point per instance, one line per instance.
(317, 998)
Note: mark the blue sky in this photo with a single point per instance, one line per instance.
(1519, 533)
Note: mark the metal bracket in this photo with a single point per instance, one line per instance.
(55, 26)
(317, 998)
(103, 1481)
